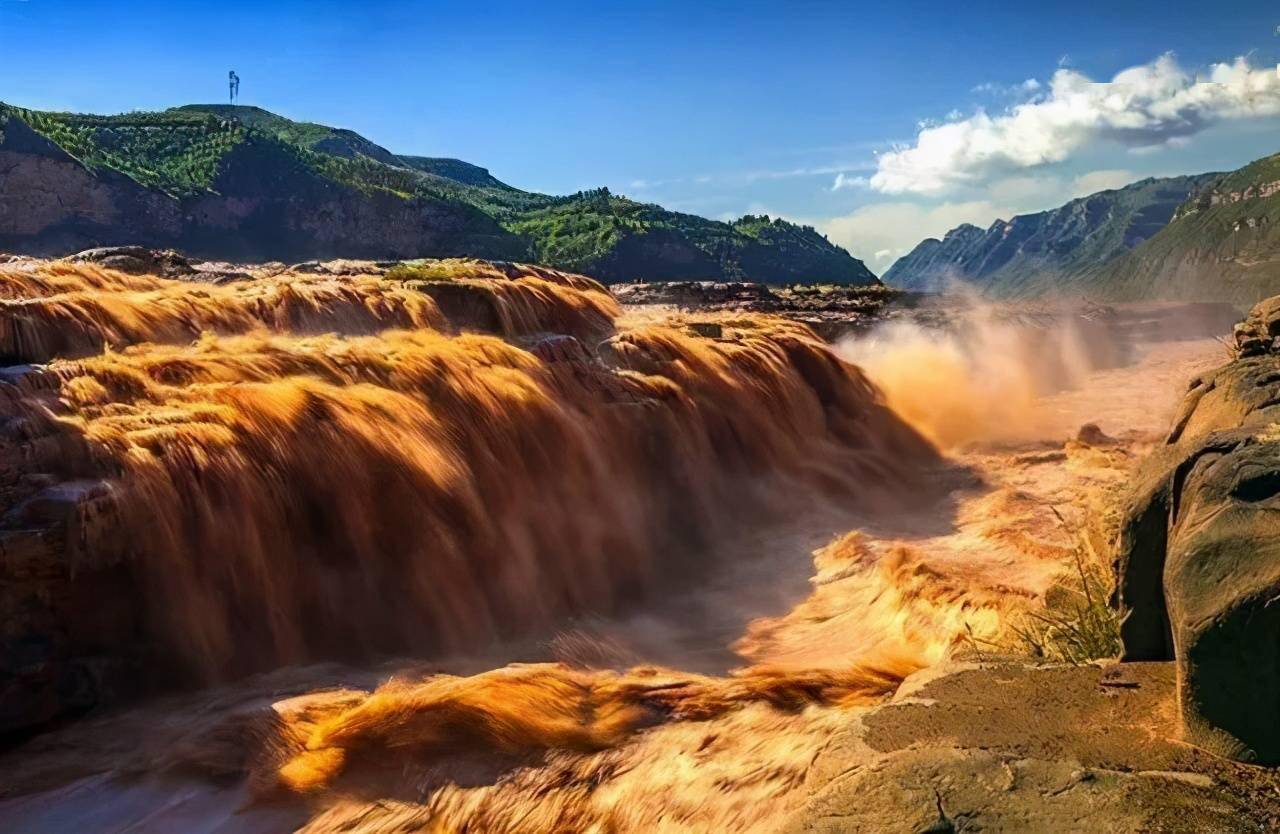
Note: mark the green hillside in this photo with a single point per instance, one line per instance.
(175, 152)
(1222, 244)
(360, 199)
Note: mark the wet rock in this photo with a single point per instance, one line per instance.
(693, 293)
(219, 272)
(1091, 434)
(343, 266)
(137, 260)
(830, 310)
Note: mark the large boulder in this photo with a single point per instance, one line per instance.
(137, 260)
(1198, 567)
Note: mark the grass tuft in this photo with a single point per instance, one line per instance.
(1077, 624)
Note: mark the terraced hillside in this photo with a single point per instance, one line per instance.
(241, 183)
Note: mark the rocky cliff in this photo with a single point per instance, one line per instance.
(1036, 254)
(1199, 554)
(1222, 244)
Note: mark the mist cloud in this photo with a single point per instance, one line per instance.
(1143, 106)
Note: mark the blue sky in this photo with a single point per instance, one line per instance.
(713, 108)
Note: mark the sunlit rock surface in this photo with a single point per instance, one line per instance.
(1199, 561)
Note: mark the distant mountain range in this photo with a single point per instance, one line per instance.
(240, 183)
(1205, 237)
(1034, 252)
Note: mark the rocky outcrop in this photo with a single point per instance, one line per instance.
(831, 311)
(1198, 568)
(1206, 201)
(1003, 746)
(137, 260)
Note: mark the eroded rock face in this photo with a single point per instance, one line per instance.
(49, 202)
(1199, 555)
(63, 614)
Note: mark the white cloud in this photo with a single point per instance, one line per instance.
(1171, 142)
(643, 184)
(844, 180)
(1026, 88)
(1142, 106)
(790, 173)
(749, 177)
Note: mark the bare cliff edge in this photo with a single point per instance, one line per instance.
(240, 183)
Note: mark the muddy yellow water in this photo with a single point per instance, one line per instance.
(693, 703)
